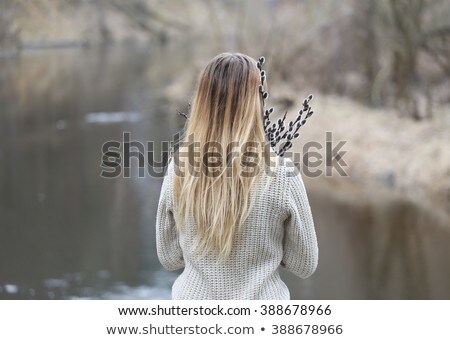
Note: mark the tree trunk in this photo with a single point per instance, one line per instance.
(407, 15)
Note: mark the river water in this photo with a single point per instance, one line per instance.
(66, 232)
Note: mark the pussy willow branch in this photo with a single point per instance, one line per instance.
(184, 114)
(274, 131)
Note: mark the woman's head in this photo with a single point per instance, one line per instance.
(227, 97)
(225, 128)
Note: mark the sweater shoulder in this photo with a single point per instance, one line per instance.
(286, 168)
(276, 183)
(289, 166)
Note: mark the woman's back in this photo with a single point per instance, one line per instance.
(225, 214)
(279, 230)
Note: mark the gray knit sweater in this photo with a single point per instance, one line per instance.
(278, 231)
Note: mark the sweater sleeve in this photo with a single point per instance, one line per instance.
(167, 241)
(300, 249)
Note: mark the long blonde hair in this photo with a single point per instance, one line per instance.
(226, 114)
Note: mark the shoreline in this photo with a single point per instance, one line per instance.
(65, 44)
(383, 150)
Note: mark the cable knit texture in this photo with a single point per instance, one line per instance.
(278, 231)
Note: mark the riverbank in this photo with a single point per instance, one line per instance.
(384, 150)
(49, 24)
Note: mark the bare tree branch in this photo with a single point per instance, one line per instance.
(436, 33)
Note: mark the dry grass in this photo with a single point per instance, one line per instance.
(383, 149)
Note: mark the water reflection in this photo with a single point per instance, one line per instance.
(58, 216)
(375, 244)
(112, 117)
(65, 232)
(84, 286)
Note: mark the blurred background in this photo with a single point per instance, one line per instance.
(77, 73)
